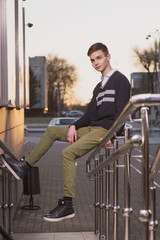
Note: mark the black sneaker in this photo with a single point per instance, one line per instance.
(17, 168)
(64, 210)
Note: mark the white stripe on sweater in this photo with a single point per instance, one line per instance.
(105, 99)
(105, 92)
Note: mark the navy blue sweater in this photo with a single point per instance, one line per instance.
(107, 103)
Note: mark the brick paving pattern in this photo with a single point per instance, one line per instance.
(51, 182)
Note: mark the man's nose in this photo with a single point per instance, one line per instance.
(96, 63)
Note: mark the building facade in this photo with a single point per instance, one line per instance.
(14, 98)
(39, 69)
(140, 82)
(140, 85)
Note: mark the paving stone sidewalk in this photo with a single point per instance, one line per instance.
(51, 182)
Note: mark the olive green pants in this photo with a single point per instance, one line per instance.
(87, 139)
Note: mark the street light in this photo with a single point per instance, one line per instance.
(24, 52)
(59, 89)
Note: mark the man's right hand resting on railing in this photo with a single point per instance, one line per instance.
(109, 98)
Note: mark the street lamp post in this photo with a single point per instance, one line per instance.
(24, 51)
(59, 89)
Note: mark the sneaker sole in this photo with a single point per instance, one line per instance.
(58, 219)
(10, 169)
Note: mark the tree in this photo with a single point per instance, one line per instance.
(59, 72)
(148, 59)
(33, 88)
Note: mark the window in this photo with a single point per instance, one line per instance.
(14, 85)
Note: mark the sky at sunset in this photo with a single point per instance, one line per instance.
(67, 28)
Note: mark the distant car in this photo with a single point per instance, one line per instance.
(62, 121)
(75, 113)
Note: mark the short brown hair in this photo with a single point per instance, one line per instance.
(98, 46)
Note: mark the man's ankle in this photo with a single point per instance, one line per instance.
(67, 198)
(28, 164)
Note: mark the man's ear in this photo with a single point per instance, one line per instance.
(108, 57)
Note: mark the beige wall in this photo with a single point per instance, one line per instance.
(12, 129)
(12, 134)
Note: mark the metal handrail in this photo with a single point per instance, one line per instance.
(135, 141)
(4, 147)
(5, 234)
(147, 214)
(134, 102)
(155, 166)
(6, 176)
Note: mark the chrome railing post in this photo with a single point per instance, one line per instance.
(96, 160)
(115, 195)
(102, 205)
(153, 171)
(10, 203)
(153, 222)
(4, 199)
(107, 196)
(144, 101)
(145, 213)
(127, 209)
(7, 204)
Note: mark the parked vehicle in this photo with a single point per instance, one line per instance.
(62, 121)
(75, 113)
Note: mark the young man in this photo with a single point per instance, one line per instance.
(109, 98)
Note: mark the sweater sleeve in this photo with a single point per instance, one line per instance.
(122, 98)
(85, 120)
(122, 95)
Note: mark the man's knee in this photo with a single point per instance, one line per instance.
(65, 153)
(68, 154)
(53, 132)
(48, 130)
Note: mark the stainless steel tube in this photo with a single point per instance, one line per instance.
(96, 230)
(145, 212)
(101, 193)
(10, 203)
(115, 195)
(134, 102)
(107, 197)
(127, 209)
(155, 166)
(4, 199)
(144, 101)
(153, 224)
(134, 141)
(127, 174)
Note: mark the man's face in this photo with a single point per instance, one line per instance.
(99, 61)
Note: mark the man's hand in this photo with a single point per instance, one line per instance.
(108, 143)
(72, 134)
